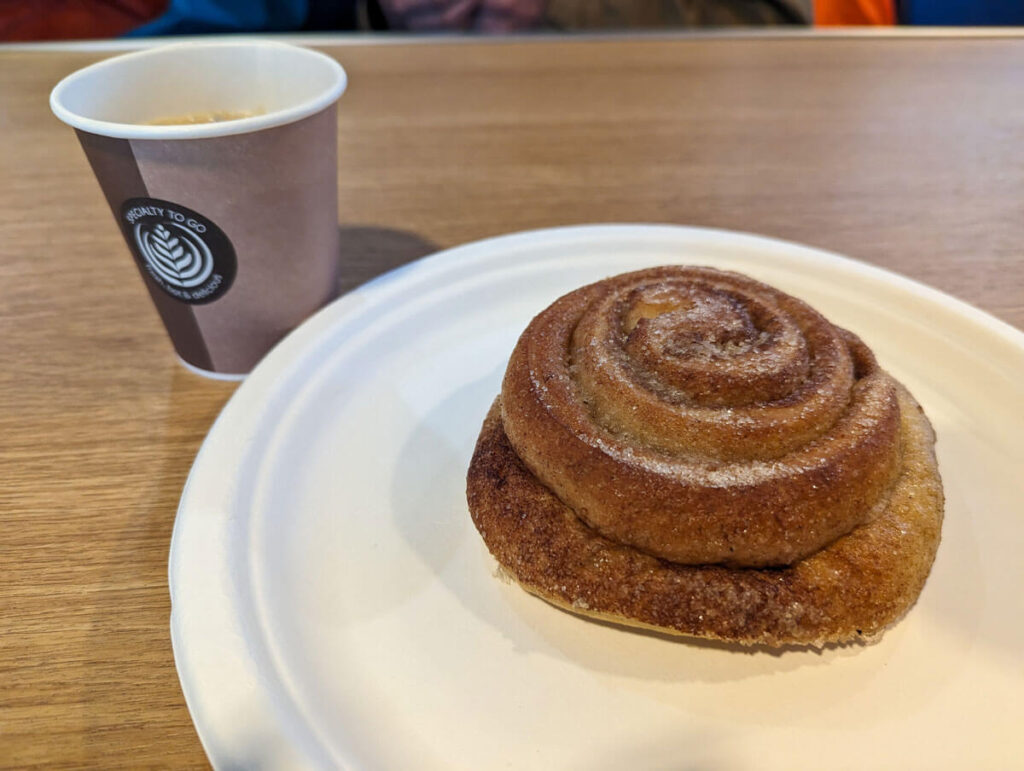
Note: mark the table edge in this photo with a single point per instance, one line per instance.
(345, 39)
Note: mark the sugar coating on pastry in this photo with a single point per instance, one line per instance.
(693, 451)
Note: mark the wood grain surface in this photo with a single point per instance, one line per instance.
(906, 153)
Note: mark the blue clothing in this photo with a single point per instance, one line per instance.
(194, 17)
(956, 13)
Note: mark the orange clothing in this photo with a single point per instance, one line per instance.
(845, 13)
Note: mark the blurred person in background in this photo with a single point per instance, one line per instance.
(518, 15)
(70, 19)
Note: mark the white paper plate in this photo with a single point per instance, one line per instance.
(333, 605)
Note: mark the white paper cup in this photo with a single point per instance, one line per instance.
(233, 224)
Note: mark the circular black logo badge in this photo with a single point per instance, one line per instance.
(186, 254)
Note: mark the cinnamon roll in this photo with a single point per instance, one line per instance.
(694, 451)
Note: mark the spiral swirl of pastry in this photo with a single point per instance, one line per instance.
(703, 417)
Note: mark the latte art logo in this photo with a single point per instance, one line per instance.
(183, 252)
(180, 258)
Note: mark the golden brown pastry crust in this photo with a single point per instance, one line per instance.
(850, 590)
(702, 416)
(693, 451)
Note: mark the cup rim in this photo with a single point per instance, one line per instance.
(196, 130)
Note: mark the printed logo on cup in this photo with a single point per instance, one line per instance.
(185, 253)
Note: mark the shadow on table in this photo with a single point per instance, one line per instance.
(131, 649)
(368, 251)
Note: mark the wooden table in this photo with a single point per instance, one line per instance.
(906, 153)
